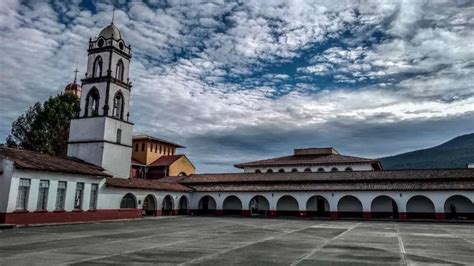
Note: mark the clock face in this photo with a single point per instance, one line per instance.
(100, 43)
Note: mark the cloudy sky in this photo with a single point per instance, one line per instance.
(241, 80)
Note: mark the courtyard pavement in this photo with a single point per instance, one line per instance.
(245, 241)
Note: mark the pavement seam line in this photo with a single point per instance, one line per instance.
(106, 242)
(241, 246)
(148, 248)
(402, 246)
(313, 251)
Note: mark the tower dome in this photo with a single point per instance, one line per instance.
(73, 87)
(110, 31)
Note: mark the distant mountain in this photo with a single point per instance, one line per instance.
(455, 153)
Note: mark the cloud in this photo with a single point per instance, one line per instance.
(234, 81)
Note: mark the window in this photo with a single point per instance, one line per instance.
(92, 102)
(320, 169)
(117, 110)
(94, 194)
(348, 169)
(119, 135)
(136, 147)
(156, 148)
(334, 169)
(294, 170)
(119, 70)
(307, 170)
(61, 195)
(281, 170)
(258, 171)
(128, 202)
(143, 146)
(78, 198)
(160, 149)
(269, 171)
(23, 193)
(97, 67)
(43, 195)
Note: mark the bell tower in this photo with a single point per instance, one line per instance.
(101, 133)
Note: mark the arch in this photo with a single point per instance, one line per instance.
(258, 171)
(270, 171)
(182, 174)
(119, 70)
(118, 105)
(320, 169)
(459, 207)
(232, 206)
(348, 169)
(317, 206)
(294, 170)
(350, 207)
(384, 207)
(420, 207)
(129, 201)
(149, 206)
(167, 205)
(307, 170)
(92, 102)
(207, 205)
(183, 205)
(287, 206)
(281, 170)
(259, 205)
(119, 135)
(334, 169)
(97, 67)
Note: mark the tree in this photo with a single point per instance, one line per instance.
(45, 128)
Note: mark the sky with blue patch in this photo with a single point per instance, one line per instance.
(237, 81)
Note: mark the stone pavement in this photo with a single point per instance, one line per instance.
(245, 241)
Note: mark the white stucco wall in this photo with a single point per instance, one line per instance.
(365, 197)
(327, 168)
(53, 179)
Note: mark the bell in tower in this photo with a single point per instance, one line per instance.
(102, 134)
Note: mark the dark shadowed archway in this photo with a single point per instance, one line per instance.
(259, 206)
(232, 206)
(167, 206)
(287, 206)
(149, 206)
(183, 205)
(317, 206)
(459, 207)
(349, 207)
(207, 205)
(384, 207)
(420, 207)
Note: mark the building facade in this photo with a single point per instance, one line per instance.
(97, 180)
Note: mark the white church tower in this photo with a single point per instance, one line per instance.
(101, 134)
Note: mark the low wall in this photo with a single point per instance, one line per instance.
(40, 217)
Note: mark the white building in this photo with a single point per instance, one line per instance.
(93, 182)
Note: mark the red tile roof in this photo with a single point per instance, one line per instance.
(147, 184)
(166, 160)
(36, 161)
(322, 159)
(436, 179)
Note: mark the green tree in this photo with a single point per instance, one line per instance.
(45, 128)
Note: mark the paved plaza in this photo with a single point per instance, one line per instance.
(245, 241)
